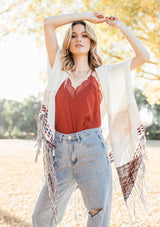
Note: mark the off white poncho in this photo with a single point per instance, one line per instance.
(121, 127)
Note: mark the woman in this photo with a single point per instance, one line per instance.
(80, 92)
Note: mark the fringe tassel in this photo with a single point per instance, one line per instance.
(81, 207)
(139, 189)
(74, 207)
(129, 214)
(86, 214)
(40, 129)
(132, 177)
(48, 160)
(50, 173)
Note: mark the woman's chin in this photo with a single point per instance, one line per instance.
(80, 52)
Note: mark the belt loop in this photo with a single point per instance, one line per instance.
(78, 137)
(60, 138)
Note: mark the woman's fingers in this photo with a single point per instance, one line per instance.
(95, 17)
(113, 21)
(108, 20)
(113, 18)
(99, 15)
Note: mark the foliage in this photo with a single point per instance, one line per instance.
(19, 119)
(29, 114)
(143, 103)
(142, 17)
(141, 99)
(10, 115)
(3, 117)
(152, 131)
(152, 92)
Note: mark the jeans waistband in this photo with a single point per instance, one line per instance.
(77, 135)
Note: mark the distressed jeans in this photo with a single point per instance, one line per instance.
(81, 160)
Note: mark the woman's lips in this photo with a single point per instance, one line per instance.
(79, 45)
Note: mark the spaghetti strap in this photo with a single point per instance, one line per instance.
(92, 72)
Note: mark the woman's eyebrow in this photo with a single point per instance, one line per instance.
(81, 32)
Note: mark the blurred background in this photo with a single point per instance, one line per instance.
(23, 57)
(23, 76)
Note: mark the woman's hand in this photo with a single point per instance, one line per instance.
(114, 22)
(94, 17)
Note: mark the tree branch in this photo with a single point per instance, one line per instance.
(151, 62)
(4, 34)
(155, 75)
(11, 6)
(147, 78)
(120, 58)
(114, 56)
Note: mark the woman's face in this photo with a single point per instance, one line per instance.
(80, 42)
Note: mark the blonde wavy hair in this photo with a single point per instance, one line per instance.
(94, 60)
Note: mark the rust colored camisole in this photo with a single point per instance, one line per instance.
(78, 109)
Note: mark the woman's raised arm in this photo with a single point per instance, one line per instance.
(53, 22)
(142, 55)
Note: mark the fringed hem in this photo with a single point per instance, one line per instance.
(138, 189)
(132, 177)
(50, 174)
(43, 131)
(40, 130)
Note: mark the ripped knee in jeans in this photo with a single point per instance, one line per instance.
(94, 212)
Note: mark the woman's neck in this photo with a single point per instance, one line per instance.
(81, 63)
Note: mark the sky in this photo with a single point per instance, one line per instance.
(22, 64)
(20, 68)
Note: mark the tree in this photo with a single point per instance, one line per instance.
(141, 99)
(143, 103)
(142, 17)
(152, 92)
(29, 114)
(155, 109)
(3, 117)
(12, 114)
(152, 131)
(17, 118)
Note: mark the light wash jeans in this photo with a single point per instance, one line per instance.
(81, 160)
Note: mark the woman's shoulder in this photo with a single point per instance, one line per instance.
(116, 65)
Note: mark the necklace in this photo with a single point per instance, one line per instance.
(85, 71)
(77, 75)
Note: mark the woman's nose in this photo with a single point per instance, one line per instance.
(78, 39)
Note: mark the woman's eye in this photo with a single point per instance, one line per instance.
(85, 36)
(73, 36)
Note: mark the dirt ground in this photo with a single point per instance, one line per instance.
(21, 179)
